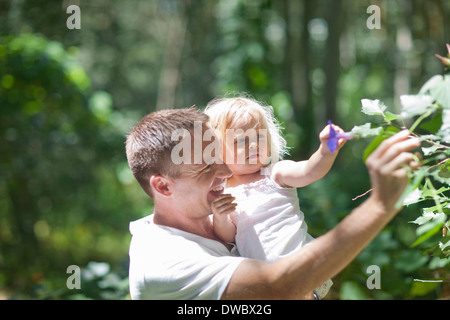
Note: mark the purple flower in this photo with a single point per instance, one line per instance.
(333, 138)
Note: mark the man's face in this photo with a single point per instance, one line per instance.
(198, 185)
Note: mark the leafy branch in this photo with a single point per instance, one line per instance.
(429, 113)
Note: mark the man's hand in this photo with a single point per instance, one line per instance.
(388, 166)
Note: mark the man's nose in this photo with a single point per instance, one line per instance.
(223, 171)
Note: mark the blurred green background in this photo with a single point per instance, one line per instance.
(69, 96)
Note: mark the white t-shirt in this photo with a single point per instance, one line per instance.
(269, 223)
(168, 263)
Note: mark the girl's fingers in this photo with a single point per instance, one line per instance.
(225, 210)
(224, 204)
(228, 209)
(224, 199)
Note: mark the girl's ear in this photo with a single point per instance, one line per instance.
(160, 185)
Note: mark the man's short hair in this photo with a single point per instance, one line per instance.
(149, 143)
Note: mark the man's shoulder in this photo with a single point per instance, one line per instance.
(141, 225)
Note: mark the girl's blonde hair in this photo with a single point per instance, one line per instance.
(233, 113)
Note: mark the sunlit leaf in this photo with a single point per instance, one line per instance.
(441, 92)
(421, 288)
(419, 175)
(429, 229)
(365, 131)
(439, 88)
(413, 197)
(372, 107)
(389, 116)
(413, 105)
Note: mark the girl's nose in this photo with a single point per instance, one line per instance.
(253, 145)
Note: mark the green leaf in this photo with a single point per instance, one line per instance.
(365, 131)
(428, 214)
(410, 260)
(373, 107)
(445, 245)
(413, 197)
(430, 150)
(419, 175)
(444, 134)
(439, 88)
(441, 92)
(389, 116)
(430, 84)
(429, 229)
(440, 252)
(413, 105)
(428, 190)
(351, 290)
(421, 220)
(444, 170)
(438, 262)
(420, 288)
(434, 124)
(372, 146)
(384, 133)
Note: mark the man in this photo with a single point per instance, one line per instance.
(174, 253)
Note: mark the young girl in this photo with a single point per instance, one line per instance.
(266, 223)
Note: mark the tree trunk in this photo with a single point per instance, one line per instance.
(298, 56)
(332, 63)
(170, 72)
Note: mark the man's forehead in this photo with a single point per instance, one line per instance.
(191, 170)
(200, 147)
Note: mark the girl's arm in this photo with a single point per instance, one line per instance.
(224, 227)
(289, 173)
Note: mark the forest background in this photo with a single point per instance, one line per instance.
(69, 96)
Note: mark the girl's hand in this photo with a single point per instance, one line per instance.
(223, 206)
(325, 133)
(224, 227)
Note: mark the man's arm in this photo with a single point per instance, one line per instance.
(296, 276)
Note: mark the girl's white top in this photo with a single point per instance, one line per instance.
(269, 222)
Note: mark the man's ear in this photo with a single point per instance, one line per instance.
(160, 185)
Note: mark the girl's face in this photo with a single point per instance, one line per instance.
(246, 149)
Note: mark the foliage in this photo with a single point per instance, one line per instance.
(58, 168)
(428, 116)
(66, 192)
(98, 281)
